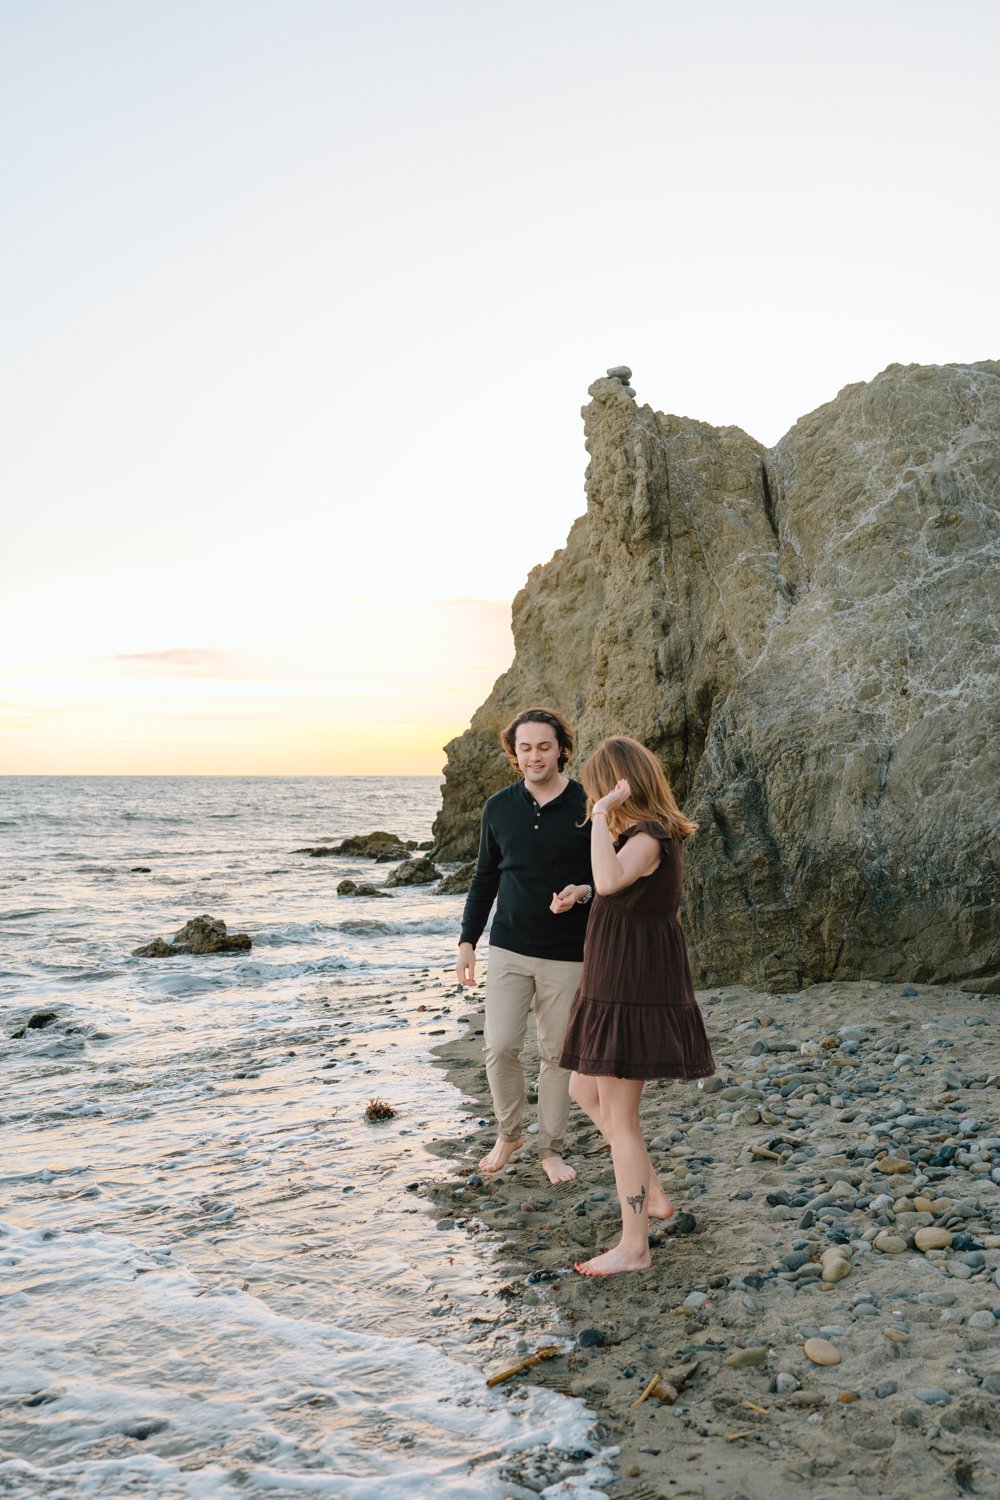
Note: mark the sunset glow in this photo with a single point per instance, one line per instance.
(301, 304)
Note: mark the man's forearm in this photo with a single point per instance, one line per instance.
(478, 904)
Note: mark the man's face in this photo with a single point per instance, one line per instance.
(537, 747)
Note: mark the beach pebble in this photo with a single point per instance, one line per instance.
(887, 1388)
(785, 1383)
(695, 1299)
(890, 1244)
(982, 1321)
(892, 1166)
(821, 1352)
(932, 1395)
(836, 1268)
(746, 1359)
(932, 1238)
(590, 1338)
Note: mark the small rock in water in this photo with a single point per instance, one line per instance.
(36, 1022)
(361, 888)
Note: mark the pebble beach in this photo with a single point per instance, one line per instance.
(823, 1313)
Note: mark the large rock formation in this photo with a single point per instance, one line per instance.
(807, 638)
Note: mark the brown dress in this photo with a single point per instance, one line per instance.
(635, 1015)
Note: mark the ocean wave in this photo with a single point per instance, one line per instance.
(264, 972)
(419, 1421)
(79, 975)
(374, 927)
(27, 911)
(290, 933)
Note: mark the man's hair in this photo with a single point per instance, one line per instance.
(555, 721)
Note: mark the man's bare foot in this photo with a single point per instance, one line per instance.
(614, 1263)
(660, 1206)
(557, 1170)
(497, 1159)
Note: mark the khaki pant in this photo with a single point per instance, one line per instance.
(515, 982)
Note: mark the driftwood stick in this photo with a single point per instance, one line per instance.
(647, 1392)
(546, 1351)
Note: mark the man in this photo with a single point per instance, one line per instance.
(534, 859)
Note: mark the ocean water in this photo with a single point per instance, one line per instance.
(216, 1278)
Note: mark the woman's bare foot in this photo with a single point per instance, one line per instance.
(557, 1170)
(614, 1263)
(660, 1206)
(497, 1159)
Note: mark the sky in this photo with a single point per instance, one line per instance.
(300, 302)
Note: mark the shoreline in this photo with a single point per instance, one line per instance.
(852, 1115)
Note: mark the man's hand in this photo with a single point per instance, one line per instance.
(465, 968)
(567, 898)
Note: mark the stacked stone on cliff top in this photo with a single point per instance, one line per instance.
(808, 639)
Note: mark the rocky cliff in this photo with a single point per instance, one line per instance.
(807, 637)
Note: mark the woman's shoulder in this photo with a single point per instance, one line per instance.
(652, 826)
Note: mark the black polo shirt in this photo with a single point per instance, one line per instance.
(527, 851)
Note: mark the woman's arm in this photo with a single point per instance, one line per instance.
(640, 856)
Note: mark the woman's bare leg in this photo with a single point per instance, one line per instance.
(619, 1104)
(584, 1091)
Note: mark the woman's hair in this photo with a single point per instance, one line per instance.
(564, 734)
(650, 796)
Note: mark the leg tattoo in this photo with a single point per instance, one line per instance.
(635, 1203)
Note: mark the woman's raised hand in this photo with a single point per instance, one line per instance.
(619, 794)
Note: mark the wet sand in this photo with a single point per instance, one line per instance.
(850, 1119)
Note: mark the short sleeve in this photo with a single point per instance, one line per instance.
(648, 825)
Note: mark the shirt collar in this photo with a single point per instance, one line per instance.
(553, 801)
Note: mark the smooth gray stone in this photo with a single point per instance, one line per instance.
(933, 1395)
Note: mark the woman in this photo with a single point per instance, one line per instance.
(634, 1016)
